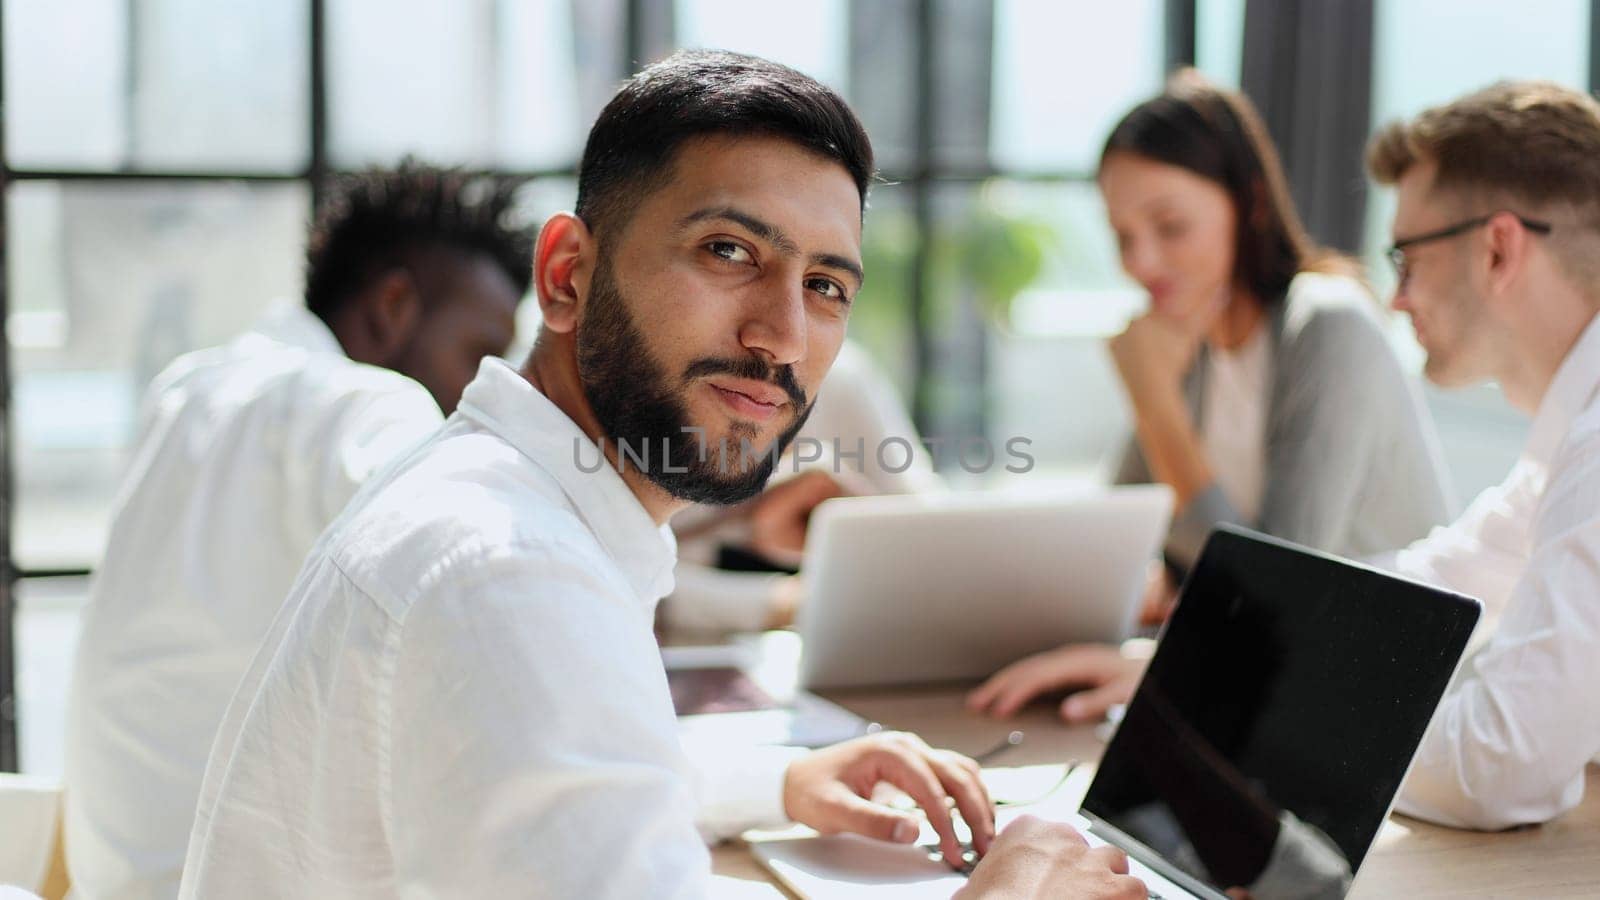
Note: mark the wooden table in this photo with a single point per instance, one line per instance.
(1411, 860)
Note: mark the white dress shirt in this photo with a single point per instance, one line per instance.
(1509, 742)
(246, 453)
(462, 696)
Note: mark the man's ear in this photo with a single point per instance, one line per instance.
(391, 313)
(1508, 248)
(563, 260)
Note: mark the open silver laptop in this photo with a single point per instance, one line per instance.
(906, 589)
(1263, 749)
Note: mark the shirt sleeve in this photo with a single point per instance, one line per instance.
(705, 598)
(1481, 554)
(738, 790)
(1509, 743)
(533, 746)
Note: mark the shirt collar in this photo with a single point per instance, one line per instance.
(1570, 392)
(506, 404)
(289, 322)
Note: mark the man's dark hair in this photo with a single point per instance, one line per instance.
(381, 219)
(696, 93)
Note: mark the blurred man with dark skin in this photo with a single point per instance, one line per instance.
(464, 696)
(246, 453)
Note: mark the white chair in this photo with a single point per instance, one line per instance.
(30, 809)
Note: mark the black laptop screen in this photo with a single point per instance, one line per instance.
(1278, 716)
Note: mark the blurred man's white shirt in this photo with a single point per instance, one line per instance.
(463, 695)
(1510, 740)
(246, 453)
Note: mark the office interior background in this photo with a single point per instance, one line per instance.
(161, 159)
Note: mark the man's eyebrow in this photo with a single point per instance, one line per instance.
(767, 231)
(773, 235)
(835, 261)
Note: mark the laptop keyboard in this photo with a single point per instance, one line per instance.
(969, 858)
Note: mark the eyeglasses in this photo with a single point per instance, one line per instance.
(1397, 251)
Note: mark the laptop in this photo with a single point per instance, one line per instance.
(1263, 749)
(952, 587)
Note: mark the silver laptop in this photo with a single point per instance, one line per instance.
(1263, 749)
(950, 587)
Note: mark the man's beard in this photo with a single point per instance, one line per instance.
(636, 405)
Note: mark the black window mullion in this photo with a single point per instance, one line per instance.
(1594, 45)
(1179, 31)
(317, 160)
(922, 212)
(8, 581)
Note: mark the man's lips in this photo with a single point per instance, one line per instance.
(756, 391)
(751, 399)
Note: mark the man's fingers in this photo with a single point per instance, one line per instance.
(906, 769)
(1111, 858)
(847, 812)
(1130, 887)
(971, 797)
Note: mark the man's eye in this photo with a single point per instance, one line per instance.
(730, 251)
(827, 288)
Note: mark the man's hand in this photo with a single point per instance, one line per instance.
(1103, 675)
(779, 516)
(1032, 858)
(829, 790)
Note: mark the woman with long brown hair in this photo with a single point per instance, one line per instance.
(1262, 388)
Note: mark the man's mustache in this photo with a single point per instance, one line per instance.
(753, 368)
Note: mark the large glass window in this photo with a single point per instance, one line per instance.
(1063, 75)
(481, 82)
(812, 37)
(109, 282)
(1219, 40)
(186, 85)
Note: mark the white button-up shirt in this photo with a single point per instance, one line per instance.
(246, 453)
(463, 696)
(1509, 743)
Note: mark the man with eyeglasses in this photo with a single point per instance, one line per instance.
(1497, 248)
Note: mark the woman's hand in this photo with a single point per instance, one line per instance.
(1152, 355)
(1103, 675)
